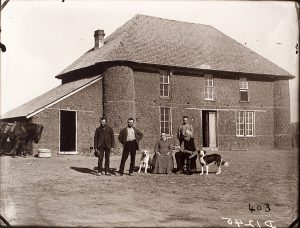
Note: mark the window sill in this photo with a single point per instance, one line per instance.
(248, 136)
(167, 98)
(209, 99)
(244, 101)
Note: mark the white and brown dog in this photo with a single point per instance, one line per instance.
(145, 161)
(206, 160)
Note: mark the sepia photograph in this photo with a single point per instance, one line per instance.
(128, 113)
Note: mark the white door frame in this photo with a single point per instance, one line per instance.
(76, 135)
(209, 125)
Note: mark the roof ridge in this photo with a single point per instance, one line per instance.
(167, 19)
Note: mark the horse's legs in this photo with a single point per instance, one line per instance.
(3, 138)
(15, 147)
(28, 146)
(25, 146)
(18, 146)
(22, 147)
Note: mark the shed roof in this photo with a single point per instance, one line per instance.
(152, 40)
(49, 98)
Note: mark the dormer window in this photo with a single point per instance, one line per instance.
(209, 87)
(244, 96)
(164, 84)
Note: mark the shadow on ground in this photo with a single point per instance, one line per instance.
(84, 170)
(93, 171)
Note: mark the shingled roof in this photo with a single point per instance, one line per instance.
(152, 40)
(49, 98)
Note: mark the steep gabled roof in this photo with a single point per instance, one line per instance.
(49, 98)
(152, 40)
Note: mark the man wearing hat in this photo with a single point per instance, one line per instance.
(104, 142)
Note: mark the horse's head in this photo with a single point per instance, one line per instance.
(38, 133)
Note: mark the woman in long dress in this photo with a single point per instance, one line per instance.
(163, 159)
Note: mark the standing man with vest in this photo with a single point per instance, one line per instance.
(182, 128)
(104, 142)
(130, 138)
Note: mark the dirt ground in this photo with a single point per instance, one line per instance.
(64, 191)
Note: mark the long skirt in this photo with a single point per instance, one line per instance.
(162, 164)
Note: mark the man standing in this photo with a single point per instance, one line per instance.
(104, 142)
(182, 128)
(130, 138)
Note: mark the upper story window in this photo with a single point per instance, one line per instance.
(209, 87)
(244, 96)
(165, 83)
(245, 123)
(165, 120)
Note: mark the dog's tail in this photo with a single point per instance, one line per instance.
(225, 163)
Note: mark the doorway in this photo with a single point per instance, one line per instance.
(209, 128)
(67, 130)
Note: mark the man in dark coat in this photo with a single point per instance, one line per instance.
(104, 142)
(130, 138)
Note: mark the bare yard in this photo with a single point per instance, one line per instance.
(64, 191)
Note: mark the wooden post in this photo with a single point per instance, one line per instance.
(0, 62)
(2, 7)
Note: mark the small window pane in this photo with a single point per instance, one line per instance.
(166, 90)
(161, 79)
(167, 111)
(243, 83)
(166, 79)
(244, 95)
(166, 118)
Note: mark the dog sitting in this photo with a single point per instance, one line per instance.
(145, 161)
(206, 160)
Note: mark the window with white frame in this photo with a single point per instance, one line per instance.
(244, 97)
(165, 120)
(245, 123)
(240, 124)
(164, 83)
(209, 87)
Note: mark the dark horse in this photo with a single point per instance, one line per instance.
(6, 129)
(22, 135)
(6, 132)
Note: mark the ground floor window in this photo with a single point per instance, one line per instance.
(165, 120)
(245, 123)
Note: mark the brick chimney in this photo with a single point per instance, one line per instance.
(99, 38)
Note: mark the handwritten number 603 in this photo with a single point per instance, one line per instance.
(259, 208)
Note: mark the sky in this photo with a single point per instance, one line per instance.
(44, 37)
